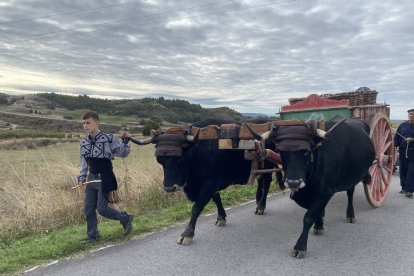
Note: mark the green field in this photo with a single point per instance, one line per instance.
(107, 119)
(23, 133)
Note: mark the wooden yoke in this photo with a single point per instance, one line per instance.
(239, 137)
(321, 124)
(245, 133)
(289, 123)
(206, 133)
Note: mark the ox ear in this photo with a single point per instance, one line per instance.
(313, 128)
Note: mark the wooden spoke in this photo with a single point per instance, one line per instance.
(381, 169)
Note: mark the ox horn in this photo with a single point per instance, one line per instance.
(256, 135)
(326, 134)
(142, 142)
(194, 138)
(320, 133)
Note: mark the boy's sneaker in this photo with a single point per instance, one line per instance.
(409, 194)
(128, 225)
(402, 192)
(89, 240)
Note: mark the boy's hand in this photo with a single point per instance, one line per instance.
(125, 134)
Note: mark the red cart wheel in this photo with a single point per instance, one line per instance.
(382, 167)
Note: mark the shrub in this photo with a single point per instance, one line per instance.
(3, 98)
(146, 131)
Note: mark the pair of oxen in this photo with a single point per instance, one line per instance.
(316, 165)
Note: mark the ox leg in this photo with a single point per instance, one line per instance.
(350, 215)
(316, 208)
(318, 226)
(279, 179)
(198, 206)
(263, 186)
(221, 213)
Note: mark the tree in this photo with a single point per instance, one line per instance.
(149, 125)
(3, 98)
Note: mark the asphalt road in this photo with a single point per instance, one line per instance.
(379, 243)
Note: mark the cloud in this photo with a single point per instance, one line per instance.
(251, 60)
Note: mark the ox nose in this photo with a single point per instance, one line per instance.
(170, 189)
(295, 185)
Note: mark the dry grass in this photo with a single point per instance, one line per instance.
(36, 194)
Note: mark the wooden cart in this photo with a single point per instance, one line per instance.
(360, 105)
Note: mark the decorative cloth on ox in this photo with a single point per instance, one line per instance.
(245, 133)
(170, 144)
(293, 138)
(210, 132)
(229, 131)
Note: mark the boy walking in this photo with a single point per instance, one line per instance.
(97, 150)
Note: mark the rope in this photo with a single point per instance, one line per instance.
(407, 142)
(86, 183)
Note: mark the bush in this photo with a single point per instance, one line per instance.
(146, 131)
(50, 106)
(156, 120)
(3, 98)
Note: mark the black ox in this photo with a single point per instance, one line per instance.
(201, 170)
(316, 169)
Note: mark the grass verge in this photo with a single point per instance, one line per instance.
(20, 254)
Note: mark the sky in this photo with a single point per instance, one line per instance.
(249, 55)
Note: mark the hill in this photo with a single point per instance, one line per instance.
(127, 112)
(172, 111)
(253, 115)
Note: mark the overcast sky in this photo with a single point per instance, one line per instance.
(249, 55)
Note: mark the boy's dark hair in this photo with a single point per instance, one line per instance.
(90, 114)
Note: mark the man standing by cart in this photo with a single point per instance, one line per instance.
(404, 141)
(97, 151)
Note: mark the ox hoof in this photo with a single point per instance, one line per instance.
(259, 212)
(184, 240)
(317, 232)
(298, 254)
(221, 222)
(350, 220)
